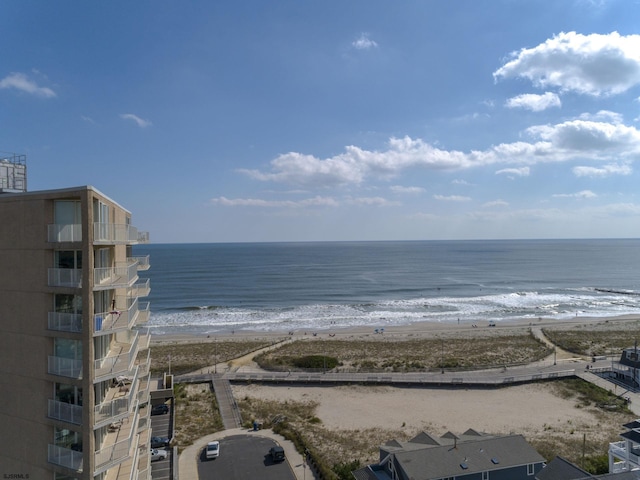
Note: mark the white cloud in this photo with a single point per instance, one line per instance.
(364, 42)
(142, 123)
(87, 119)
(496, 203)
(582, 194)
(407, 190)
(604, 171)
(603, 116)
(567, 141)
(592, 64)
(451, 198)
(460, 182)
(533, 102)
(376, 201)
(515, 172)
(256, 202)
(21, 82)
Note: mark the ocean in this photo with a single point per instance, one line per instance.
(281, 287)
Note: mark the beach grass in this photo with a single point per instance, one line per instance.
(380, 353)
(180, 357)
(583, 340)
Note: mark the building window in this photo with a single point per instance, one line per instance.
(68, 259)
(67, 212)
(485, 475)
(530, 469)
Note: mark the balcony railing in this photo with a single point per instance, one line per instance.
(144, 309)
(65, 457)
(144, 365)
(144, 340)
(118, 402)
(112, 454)
(118, 364)
(64, 233)
(65, 277)
(143, 237)
(115, 277)
(114, 233)
(141, 288)
(109, 322)
(143, 262)
(65, 411)
(65, 322)
(619, 450)
(65, 367)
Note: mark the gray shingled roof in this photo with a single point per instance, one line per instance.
(562, 469)
(482, 454)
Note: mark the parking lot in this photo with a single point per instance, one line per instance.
(244, 457)
(162, 426)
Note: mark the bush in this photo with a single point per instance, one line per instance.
(315, 362)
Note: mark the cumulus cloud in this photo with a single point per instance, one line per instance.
(363, 42)
(256, 202)
(375, 201)
(533, 102)
(582, 194)
(21, 82)
(566, 141)
(604, 171)
(515, 172)
(142, 123)
(451, 198)
(587, 64)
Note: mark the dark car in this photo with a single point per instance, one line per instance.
(159, 409)
(276, 454)
(159, 442)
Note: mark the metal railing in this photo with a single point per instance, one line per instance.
(114, 277)
(143, 262)
(108, 322)
(66, 412)
(141, 288)
(111, 455)
(144, 309)
(65, 277)
(65, 322)
(109, 410)
(65, 457)
(65, 367)
(57, 233)
(111, 366)
(112, 233)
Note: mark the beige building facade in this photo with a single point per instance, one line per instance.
(74, 356)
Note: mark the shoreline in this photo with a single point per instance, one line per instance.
(416, 329)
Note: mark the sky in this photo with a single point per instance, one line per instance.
(333, 120)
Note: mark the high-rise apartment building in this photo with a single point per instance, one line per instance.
(74, 363)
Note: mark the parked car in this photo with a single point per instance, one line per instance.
(159, 442)
(160, 409)
(157, 454)
(213, 449)
(276, 454)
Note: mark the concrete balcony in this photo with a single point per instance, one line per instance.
(144, 364)
(119, 444)
(118, 401)
(64, 233)
(115, 320)
(65, 367)
(144, 312)
(144, 340)
(65, 322)
(65, 277)
(140, 289)
(65, 412)
(144, 422)
(114, 233)
(65, 457)
(119, 361)
(143, 262)
(120, 276)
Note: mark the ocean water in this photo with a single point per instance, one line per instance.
(280, 287)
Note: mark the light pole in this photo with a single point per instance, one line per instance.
(215, 364)
(442, 356)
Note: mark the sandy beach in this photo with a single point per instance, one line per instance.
(537, 411)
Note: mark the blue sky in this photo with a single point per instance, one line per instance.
(241, 121)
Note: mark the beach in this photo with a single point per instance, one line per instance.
(537, 411)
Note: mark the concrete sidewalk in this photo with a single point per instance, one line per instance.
(188, 460)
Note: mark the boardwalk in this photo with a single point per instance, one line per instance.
(226, 403)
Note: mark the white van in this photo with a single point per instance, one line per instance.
(213, 449)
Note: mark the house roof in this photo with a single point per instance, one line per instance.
(562, 469)
(632, 435)
(484, 453)
(634, 424)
